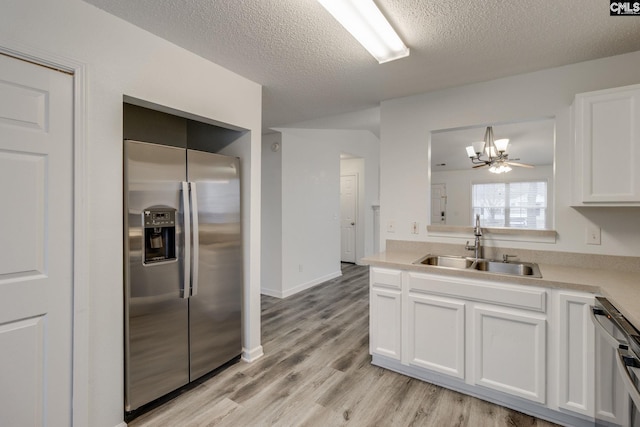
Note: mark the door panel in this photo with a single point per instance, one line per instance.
(348, 209)
(215, 306)
(22, 343)
(36, 122)
(26, 257)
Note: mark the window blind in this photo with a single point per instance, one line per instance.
(510, 204)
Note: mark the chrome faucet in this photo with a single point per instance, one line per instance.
(477, 247)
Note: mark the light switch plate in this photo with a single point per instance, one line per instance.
(415, 228)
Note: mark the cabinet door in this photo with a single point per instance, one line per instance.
(607, 132)
(385, 312)
(385, 322)
(436, 334)
(510, 352)
(576, 353)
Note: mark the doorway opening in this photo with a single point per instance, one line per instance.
(351, 210)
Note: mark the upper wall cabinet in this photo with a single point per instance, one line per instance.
(607, 147)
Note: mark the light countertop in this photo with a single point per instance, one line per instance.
(621, 288)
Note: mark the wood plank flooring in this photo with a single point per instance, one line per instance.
(316, 371)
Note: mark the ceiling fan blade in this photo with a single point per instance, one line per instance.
(480, 166)
(522, 165)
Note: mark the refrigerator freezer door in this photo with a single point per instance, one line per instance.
(215, 309)
(156, 318)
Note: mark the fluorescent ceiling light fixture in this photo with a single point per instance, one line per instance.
(367, 24)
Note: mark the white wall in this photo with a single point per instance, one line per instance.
(458, 187)
(310, 202)
(405, 129)
(124, 60)
(271, 271)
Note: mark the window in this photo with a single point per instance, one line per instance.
(510, 204)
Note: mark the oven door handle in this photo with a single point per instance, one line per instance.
(614, 342)
(625, 364)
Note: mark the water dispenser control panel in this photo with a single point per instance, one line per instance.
(156, 218)
(159, 235)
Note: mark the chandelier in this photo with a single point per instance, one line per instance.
(492, 153)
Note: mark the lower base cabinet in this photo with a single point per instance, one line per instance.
(499, 341)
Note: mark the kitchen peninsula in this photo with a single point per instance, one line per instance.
(525, 343)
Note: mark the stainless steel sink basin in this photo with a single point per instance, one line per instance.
(526, 269)
(446, 261)
(512, 268)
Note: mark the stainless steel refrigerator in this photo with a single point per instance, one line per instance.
(183, 267)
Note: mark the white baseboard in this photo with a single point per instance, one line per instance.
(122, 424)
(253, 354)
(301, 287)
(311, 283)
(271, 292)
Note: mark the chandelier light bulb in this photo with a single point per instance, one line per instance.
(501, 144)
(478, 147)
(470, 151)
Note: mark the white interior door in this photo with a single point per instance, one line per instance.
(438, 204)
(36, 185)
(348, 212)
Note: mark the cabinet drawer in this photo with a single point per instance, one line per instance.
(386, 278)
(517, 296)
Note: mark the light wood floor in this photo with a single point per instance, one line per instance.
(316, 371)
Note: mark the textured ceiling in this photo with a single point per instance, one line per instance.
(311, 67)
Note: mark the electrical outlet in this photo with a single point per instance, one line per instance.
(593, 234)
(415, 228)
(391, 227)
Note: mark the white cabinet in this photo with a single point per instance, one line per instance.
(575, 352)
(527, 347)
(385, 312)
(510, 352)
(496, 330)
(607, 147)
(436, 334)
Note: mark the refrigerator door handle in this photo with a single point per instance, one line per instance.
(196, 240)
(187, 239)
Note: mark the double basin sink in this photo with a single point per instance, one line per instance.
(510, 268)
